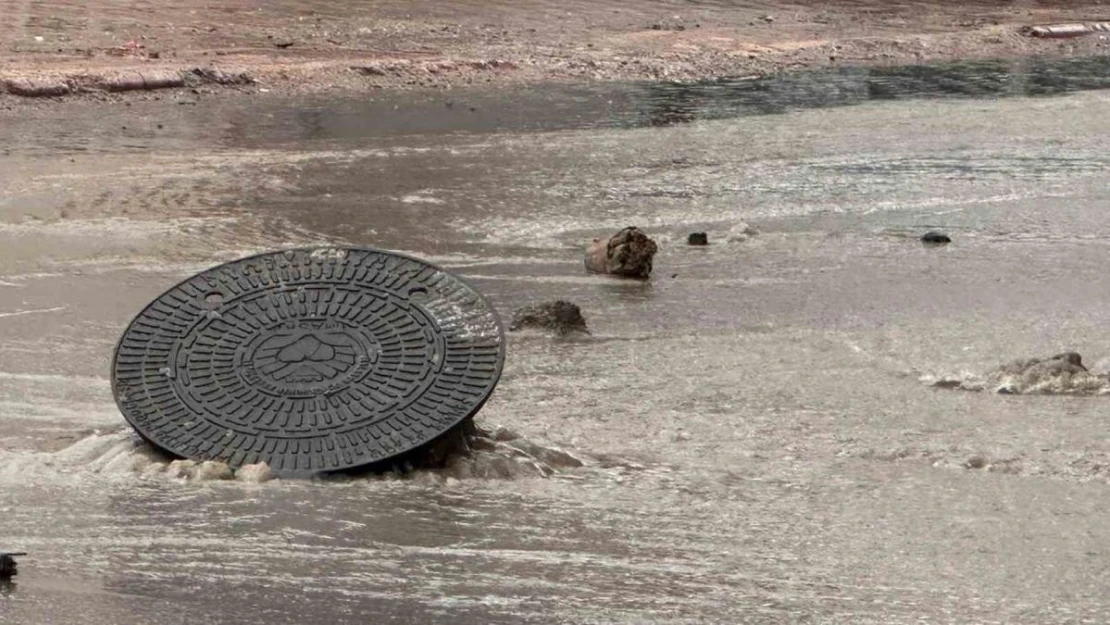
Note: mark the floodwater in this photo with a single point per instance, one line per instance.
(760, 446)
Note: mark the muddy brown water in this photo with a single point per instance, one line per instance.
(760, 447)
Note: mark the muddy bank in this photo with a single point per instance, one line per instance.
(295, 47)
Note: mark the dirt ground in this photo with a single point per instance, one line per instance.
(314, 46)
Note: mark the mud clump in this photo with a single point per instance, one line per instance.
(628, 253)
(559, 317)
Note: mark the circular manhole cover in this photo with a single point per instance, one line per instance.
(310, 360)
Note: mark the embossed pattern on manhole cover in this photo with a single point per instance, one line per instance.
(311, 360)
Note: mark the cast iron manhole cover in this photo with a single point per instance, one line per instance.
(310, 360)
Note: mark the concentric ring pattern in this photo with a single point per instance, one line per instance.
(311, 360)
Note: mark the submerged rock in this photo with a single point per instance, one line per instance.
(1071, 358)
(1062, 374)
(627, 253)
(561, 317)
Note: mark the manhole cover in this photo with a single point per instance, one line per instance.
(310, 360)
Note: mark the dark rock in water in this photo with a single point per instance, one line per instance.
(1067, 362)
(560, 317)
(698, 238)
(1060, 374)
(627, 253)
(935, 238)
(8, 564)
(976, 462)
(1071, 358)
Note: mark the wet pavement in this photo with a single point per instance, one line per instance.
(760, 446)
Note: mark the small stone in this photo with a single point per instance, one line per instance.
(698, 238)
(627, 253)
(561, 317)
(254, 473)
(975, 462)
(935, 238)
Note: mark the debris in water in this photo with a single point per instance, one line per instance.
(698, 238)
(561, 317)
(627, 253)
